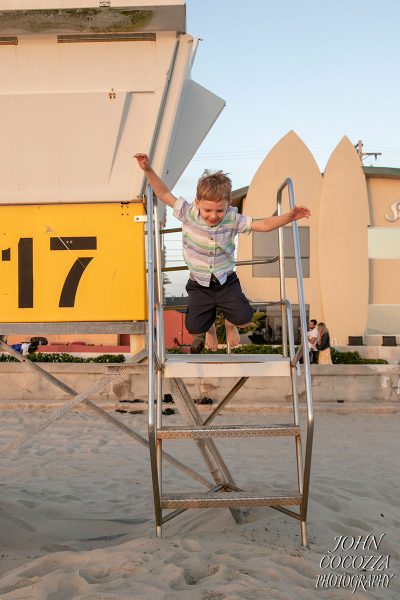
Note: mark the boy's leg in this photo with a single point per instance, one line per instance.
(201, 312)
(235, 307)
(211, 338)
(232, 333)
(209, 341)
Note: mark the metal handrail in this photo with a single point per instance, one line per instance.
(159, 306)
(306, 359)
(264, 303)
(238, 263)
(151, 357)
(157, 355)
(160, 289)
(172, 230)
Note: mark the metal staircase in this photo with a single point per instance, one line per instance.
(222, 490)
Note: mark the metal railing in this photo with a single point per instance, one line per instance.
(238, 263)
(156, 346)
(153, 354)
(303, 474)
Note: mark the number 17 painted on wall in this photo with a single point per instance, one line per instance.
(47, 275)
(25, 268)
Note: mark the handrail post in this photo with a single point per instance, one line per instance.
(159, 338)
(295, 393)
(160, 289)
(151, 361)
(306, 363)
(282, 277)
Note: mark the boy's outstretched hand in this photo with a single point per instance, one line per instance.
(300, 212)
(143, 161)
(160, 189)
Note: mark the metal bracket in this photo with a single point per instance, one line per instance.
(140, 219)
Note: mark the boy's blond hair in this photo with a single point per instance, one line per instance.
(214, 186)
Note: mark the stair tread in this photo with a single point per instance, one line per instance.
(196, 431)
(229, 499)
(226, 358)
(226, 365)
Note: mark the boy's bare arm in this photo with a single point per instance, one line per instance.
(160, 189)
(271, 223)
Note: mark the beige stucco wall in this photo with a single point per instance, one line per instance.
(338, 201)
(344, 203)
(343, 248)
(384, 274)
(289, 157)
(385, 281)
(382, 192)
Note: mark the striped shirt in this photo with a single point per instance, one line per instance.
(209, 250)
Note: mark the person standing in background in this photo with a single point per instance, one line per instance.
(312, 335)
(324, 345)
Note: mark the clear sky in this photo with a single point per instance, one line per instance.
(323, 68)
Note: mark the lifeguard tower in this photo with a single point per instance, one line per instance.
(85, 85)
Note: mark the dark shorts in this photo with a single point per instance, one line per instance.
(204, 301)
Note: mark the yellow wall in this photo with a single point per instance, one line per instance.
(72, 262)
(111, 287)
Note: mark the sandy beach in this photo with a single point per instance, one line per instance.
(76, 516)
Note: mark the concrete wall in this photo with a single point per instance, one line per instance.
(18, 384)
(389, 353)
(352, 383)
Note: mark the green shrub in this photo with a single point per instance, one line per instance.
(338, 358)
(175, 351)
(107, 358)
(249, 349)
(353, 358)
(63, 357)
(7, 358)
(257, 349)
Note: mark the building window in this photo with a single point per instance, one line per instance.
(265, 245)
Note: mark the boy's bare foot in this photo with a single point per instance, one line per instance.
(211, 339)
(232, 334)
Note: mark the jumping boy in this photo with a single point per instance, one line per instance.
(209, 227)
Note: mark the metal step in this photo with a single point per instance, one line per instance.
(197, 432)
(226, 365)
(228, 499)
